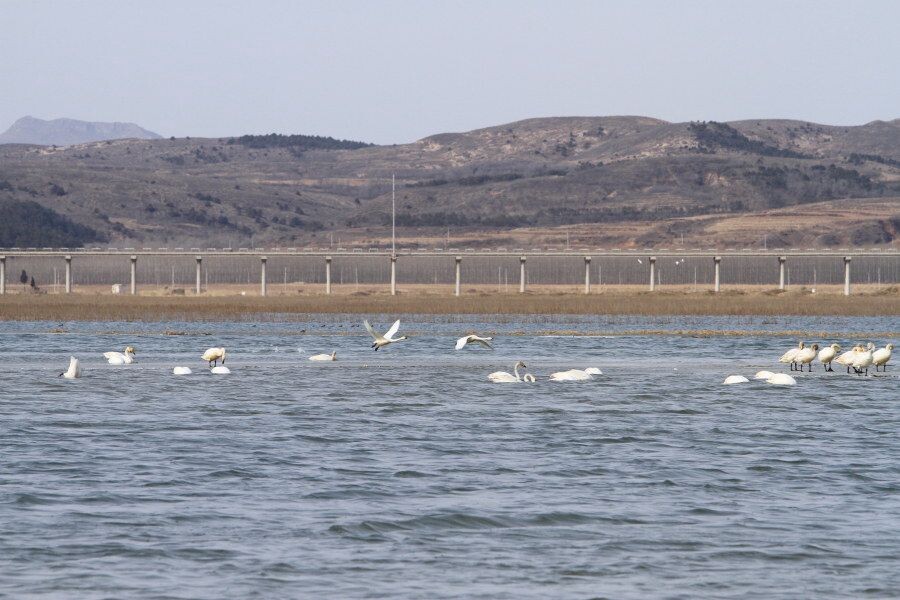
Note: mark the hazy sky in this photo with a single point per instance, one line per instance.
(396, 71)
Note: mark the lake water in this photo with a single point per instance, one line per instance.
(406, 474)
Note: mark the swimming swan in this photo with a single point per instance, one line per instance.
(881, 357)
(763, 375)
(593, 371)
(504, 377)
(732, 379)
(791, 355)
(181, 371)
(213, 356)
(220, 370)
(74, 371)
(806, 356)
(827, 354)
(120, 358)
(323, 357)
(781, 379)
(473, 339)
(571, 375)
(388, 338)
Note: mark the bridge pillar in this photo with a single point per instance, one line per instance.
(327, 275)
(587, 274)
(199, 265)
(847, 275)
(652, 273)
(2, 275)
(522, 274)
(393, 274)
(781, 261)
(262, 275)
(717, 261)
(458, 262)
(68, 274)
(133, 275)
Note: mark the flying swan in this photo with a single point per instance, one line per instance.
(388, 338)
(473, 339)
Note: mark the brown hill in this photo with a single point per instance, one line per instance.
(604, 180)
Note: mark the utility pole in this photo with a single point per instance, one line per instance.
(393, 215)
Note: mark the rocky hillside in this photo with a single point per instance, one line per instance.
(604, 180)
(64, 132)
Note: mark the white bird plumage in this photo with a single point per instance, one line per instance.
(763, 374)
(504, 377)
(806, 355)
(214, 355)
(181, 371)
(827, 354)
(324, 357)
(220, 370)
(781, 379)
(863, 360)
(791, 355)
(732, 379)
(380, 341)
(571, 375)
(881, 357)
(473, 339)
(120, 358)
(74, 370)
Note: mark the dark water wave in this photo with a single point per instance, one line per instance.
(406, 474)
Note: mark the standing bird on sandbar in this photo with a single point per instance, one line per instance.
(881, 357)
(791, 356)
(388, 338)
(863, 360)
(473, 339)
(213, 356)
(827, 354)
(806, 356)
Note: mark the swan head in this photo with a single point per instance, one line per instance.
(130, 350)
(528, 377)
(334, 355)
(801, 345)
(402, 337)
(815, 346)
(836, 347)
(870, 346)
(890, 346)
(520, 364)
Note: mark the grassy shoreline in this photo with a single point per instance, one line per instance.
(89, 305)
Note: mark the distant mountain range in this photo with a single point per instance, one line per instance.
(619, 181)
(66, 132)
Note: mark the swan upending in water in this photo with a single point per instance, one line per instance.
(473, 339)
(791, 355)
(120, 358)
(181, 371)
(763, 374)
(220, 370)
(324, 357)
(213, 356)
(388, 338)
(781, 379)
(732, 379)
(74, 370)
(571, 375)
(504, 377)
(881, 357)
(827, 354)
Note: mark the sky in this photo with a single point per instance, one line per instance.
(394, 71)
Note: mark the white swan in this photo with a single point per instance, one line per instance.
(763, 375)
(571, 375)
(827, 354)
(504, 377)
(323, 357)
(120, 358)
(593, 371)
(863, 360)
(806, 356)
(791, 355)
(732, 379)
(181, 371)
(781, 379)
(74, 370)
(214, 355)
(881, 357)
(220, 370)
(388, 338)
(847, 357)
(473, 339)
(528, 377)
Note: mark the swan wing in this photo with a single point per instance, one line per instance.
(393, 330)
(108, 355)
(484, 342)
(461, 342)
(369, 329)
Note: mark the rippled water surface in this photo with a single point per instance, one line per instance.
(404, 473)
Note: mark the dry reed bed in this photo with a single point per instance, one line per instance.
(84, 307)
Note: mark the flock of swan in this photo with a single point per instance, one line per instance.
(859, 358)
